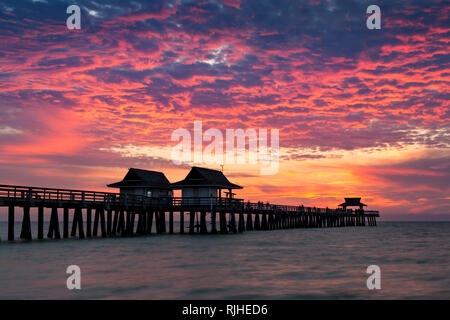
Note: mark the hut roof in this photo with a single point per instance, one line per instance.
(203, 177)
(352, 202)
(138, 178)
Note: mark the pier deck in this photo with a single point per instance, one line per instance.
(122, 211)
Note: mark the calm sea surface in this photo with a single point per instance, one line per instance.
(285, 264)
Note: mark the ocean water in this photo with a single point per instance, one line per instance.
(414, 258)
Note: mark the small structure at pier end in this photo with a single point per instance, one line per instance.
(352, 202)
(152, 184)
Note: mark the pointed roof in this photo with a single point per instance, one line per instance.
(349, 202)
(142, 178)
(204, 177)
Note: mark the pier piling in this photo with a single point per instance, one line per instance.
(109, 222)
(171, 222)
(149, 221)
(203, 229)
(26, 224)
(241, 227)
(213, 222)
(223, 222)
(66, 223)
(11, 223)
(233, 223)
(53, 231)
(191, 222)
(40, 222)
(181, 222)
(249, 226)
(257, 224)
(89, 222)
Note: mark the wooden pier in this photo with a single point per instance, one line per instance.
(101, 214)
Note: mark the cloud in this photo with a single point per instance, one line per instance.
(6, 130)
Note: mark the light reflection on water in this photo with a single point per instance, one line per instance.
(283, 264)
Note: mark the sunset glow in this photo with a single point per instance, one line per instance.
(360, 112)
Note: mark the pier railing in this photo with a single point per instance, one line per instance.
(49, 194)
(207, 201)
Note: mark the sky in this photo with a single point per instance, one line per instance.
(360, 112)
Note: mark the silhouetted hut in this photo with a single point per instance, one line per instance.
(202, 184)
(352, 202)
(144, 182)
